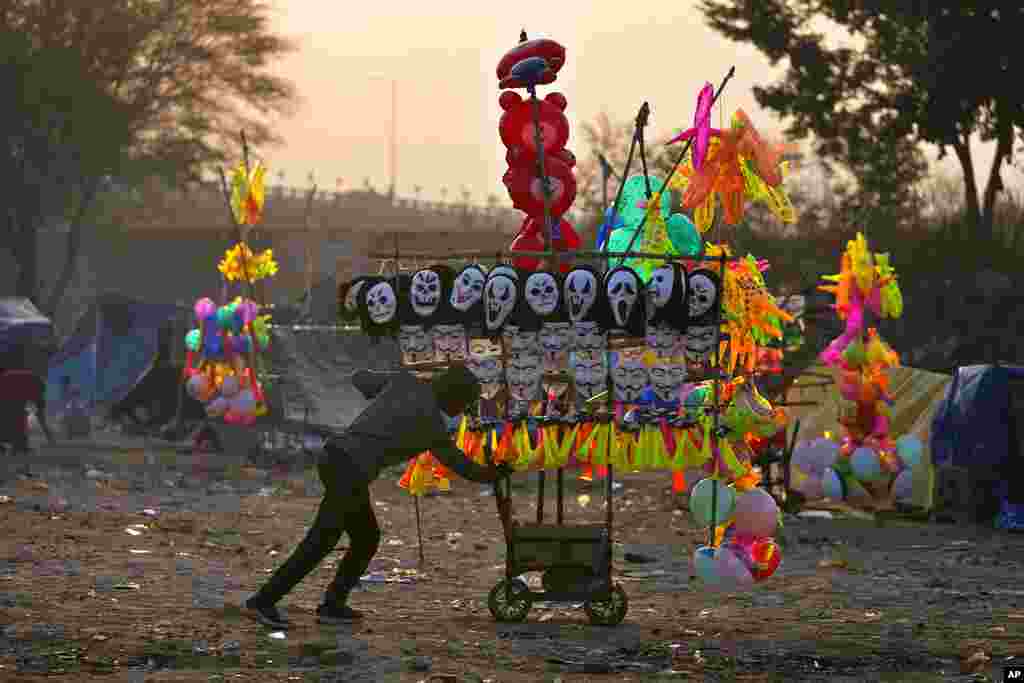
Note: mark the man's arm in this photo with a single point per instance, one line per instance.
(41, 419)
(370, 384)
(455, 460)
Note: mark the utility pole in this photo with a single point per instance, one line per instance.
(394, 138)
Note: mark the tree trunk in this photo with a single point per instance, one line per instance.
(1004, 148)
(972, 204)
(26, 253)
(74, 244)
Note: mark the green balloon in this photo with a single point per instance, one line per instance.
(225, 317)
(700, 501)
(684, 235)
(635, 191)
(193, 340)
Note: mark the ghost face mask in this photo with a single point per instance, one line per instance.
(415, 344)
(703, 296)
(468, 289)
(588, 336)
(666, 379)
(379, 301)
(425, 293)
(524, 374)
(623, 288)
(500, 295)
(590, 373)
(503, 269)
(541, 294)
(629, 378)
(580, 293)
(449, 342)
(666, 297)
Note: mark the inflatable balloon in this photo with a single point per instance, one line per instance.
(910, 449)
(684, 236)
(551, 52)
(903, 486)
(756, 514)
(244, 403)
(766, 556)
(193, 340)
(701, 503)
(230, 386)
(199, 387)
(732, 571)
(225, 318)
(865, 464)
(530, 238)
(527, 192)
(217, 407)
(705, 566)
(833, 485)
(516, 126)
(204, 308)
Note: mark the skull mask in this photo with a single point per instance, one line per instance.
(699, 341)
(629, 377)
(623, 288)
(666, 379)
(381, 303)
(449, 342)
(541, 294)
(524, 374)
(703, 295)
(425, 292)
(588, 336)
(414, 343)
(500, 294)
(590, 373)
(659, 289)
(468, 290)
(580, 293)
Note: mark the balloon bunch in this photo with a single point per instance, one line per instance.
(540, 179)
(738, 165)
(220, 359)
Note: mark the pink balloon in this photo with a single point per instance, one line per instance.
(732, 571)
(204, 308)
(756, 514)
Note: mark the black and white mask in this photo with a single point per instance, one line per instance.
(703, 296)
(523, 373)
(500, 295)
(541, 294)
(518, 340)
(504, 269)
(629, 378)
(663, 340)
(380, 302)
(415, 344)
(625, 298)
(699, 342)
(488, 370)
(449, 342)
(468, 289)
(667, 377)
(580, 292)
(554, 344)
(589, 372)
(425, 293)
(662, 290)
(588, 336)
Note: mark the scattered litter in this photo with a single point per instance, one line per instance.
(134, 551)
(6, 499)
(126, 586)
(394, 575)
(133, 532)
(100, 637)
(40, 486)
(150, 512)
(815, 514)
(833, 564)
(139, 526)
(278, 635)
(583, 500)
(273, 553)
(395, 541)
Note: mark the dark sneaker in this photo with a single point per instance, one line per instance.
(333, 614)
(265, 614)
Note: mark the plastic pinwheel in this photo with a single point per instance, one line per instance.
(248, 194)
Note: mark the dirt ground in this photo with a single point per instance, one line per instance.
(129, 562)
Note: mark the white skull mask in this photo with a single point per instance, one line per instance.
(499, 299)
(425, 292)
(541, 293)
(623, 289)
(352, 296)
(524, 374)
(381, 303)
(520, 341)
(662, 339)
(449, 342)
(468, 289)
(414, 343)
(501, 269)
(659, 289)
(630, 378)
(588, 336)
(590, 373)
(580, 293)
(703, 294)
(666, 379)
(699, 342)
(554, 344)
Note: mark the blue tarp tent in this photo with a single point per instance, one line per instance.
(113, 347)
(974, 426)
(22, 325)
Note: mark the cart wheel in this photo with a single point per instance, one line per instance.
(609, 612)
(509, 601)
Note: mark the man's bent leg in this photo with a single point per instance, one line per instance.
(364, 536)
(325, 533)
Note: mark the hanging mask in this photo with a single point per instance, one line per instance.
(415, 344)
(703, 295)
(468, 293)
(630, 377)
(517, 340)
(554, 345)
(503, 269)
(588, 336)
(666, 297)
(348, 299)
(487, 368)
(501, 293)
(663, 340)
(626, 300)
(589, 373)
(699, 342)
(542, 296)
(449, 342)
(523, 373)
(425, 291)
(667, 376)
(378, 306)
(583, 297)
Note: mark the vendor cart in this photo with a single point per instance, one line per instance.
(576, 561)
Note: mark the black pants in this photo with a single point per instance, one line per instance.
(346, 508)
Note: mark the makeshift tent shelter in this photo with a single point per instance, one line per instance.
(976, 431)
(23, 327)
(113, 347)
(916, 395)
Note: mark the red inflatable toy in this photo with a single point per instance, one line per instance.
(548, 50)
(517, 129)
(530, 238)
(527, 192)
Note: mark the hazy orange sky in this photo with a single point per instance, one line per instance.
(443, 55)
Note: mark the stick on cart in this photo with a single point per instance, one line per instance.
(576, 561)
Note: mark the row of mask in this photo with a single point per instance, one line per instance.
(675, 310)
